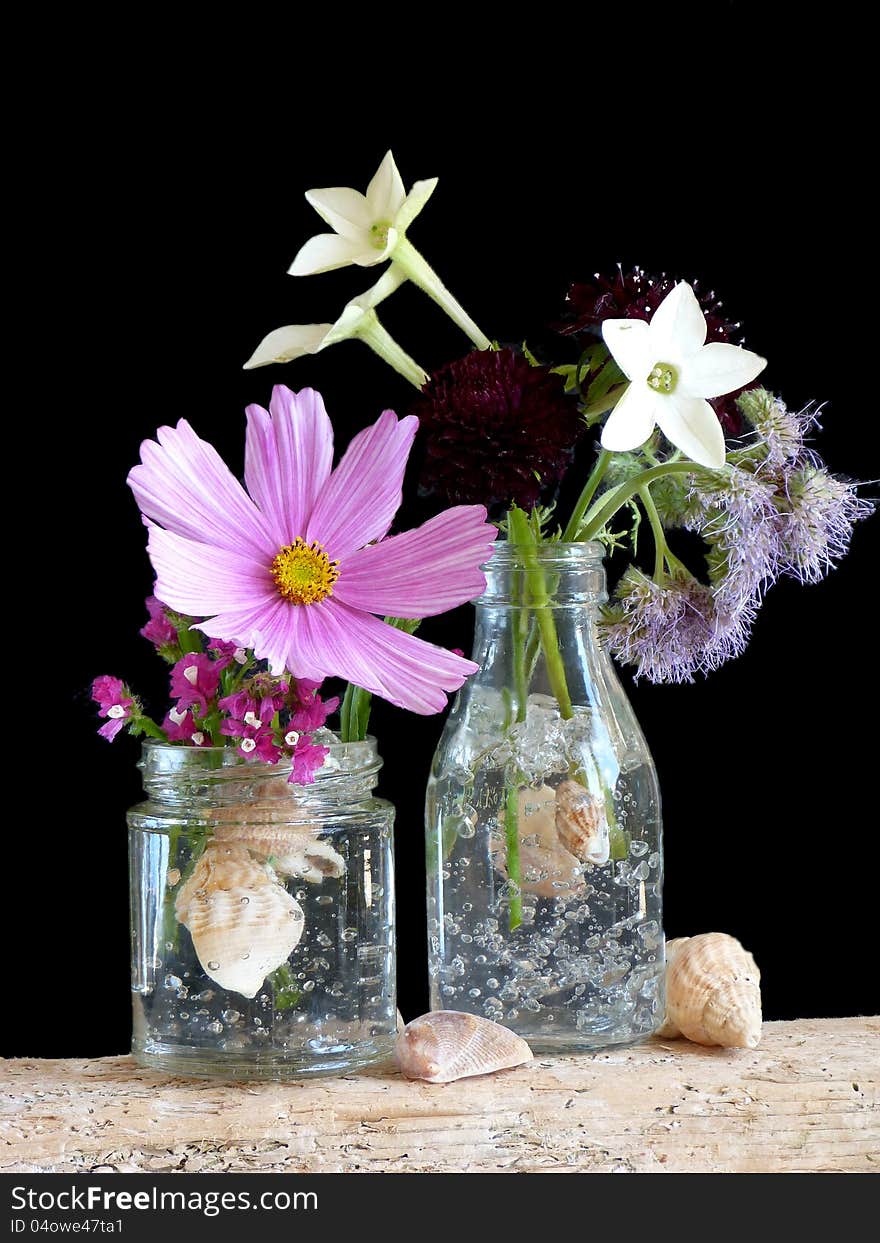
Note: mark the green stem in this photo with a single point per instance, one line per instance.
(539, 600)
(607, 506)
(660, 549)
(355, 713)
(151, 729)
(574, 522)
(511, 833)
(377, 337)
(413, 265)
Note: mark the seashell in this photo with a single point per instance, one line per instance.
(243, 923)
(448, 1045)
(546, 867)
(713, 993)
(294, 851)
(581, 823)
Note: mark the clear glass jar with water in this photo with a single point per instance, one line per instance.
(543, 820)
(262, 915)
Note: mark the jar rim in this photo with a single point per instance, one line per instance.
(344, 759)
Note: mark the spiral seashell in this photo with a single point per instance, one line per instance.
(293, 851)
(243, 923)
(546, 867)
(448, 1045)
(581, 823)
(713, 993)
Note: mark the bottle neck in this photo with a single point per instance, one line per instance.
(205, 777)
(545, 576)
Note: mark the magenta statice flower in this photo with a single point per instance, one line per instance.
(181, 726)
(115, 704)
(311, 712)
(297, 566)
(225, 653)
(160, 630)
(195, 680)
(307, 758)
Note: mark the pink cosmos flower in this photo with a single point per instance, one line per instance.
(296, 566)
(115, 703)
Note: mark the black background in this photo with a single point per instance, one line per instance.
(163, 205)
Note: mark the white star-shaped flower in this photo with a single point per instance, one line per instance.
(672, 371)
(367, 227)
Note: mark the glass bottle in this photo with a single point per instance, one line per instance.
(543, 820)
(262, 915)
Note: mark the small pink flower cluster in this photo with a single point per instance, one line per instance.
(221, 693)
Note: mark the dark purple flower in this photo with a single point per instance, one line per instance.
(495, 429)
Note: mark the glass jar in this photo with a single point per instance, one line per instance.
(262, 915)
(543, 820)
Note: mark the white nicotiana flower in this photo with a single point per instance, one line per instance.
(370, 228)
(367, 226)
(358, 321)
(672, 371)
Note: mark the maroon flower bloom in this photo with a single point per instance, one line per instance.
(496, 429)
(635, 295)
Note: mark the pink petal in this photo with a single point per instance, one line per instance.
(271, 630)
(421, 572)
(288, 457)
(185, 486)
(200, 579)
(403, 669)
(364, 492)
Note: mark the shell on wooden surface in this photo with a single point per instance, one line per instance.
(293, 851)
(713, 993)
(546, 867)
(447, 1045)
(581, 823)
(243, 923)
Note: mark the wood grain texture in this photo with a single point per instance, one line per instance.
(805, 1099)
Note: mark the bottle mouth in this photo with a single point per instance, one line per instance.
(551, 575)
(555, 554)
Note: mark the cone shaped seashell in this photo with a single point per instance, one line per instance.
(448, 1045)
(293, 851)
(713, 994)
(243, 923)
(546, 867)
(581, 823)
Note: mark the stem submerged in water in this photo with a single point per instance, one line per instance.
(511, 833)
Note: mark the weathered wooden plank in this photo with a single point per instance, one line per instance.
(806, 1099)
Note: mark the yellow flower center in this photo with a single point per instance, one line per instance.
(379, 234)
(663, 378)
(303, 572)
